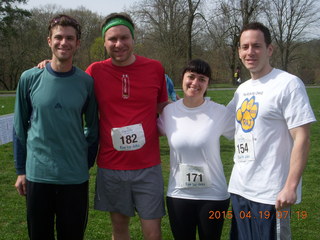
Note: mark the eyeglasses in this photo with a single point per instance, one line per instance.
(65, 20)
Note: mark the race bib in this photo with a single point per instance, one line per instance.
(244, 148)
(192, 176)
(128, 138)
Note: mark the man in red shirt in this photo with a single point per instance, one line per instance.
(129, 90)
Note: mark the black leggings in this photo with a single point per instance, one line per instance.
(63, 205)
(187, 215)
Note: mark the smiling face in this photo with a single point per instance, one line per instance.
(254, 53)
(194, 85)
(119, 45)
(63, 43)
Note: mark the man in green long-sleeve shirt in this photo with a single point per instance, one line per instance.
(52, 151)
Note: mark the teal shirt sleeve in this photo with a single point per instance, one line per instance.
(22, 113)
(91, 127)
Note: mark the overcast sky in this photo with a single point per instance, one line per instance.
(102, 7)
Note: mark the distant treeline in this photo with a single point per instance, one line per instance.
(173, 32)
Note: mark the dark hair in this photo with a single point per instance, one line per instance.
(198, 66)
(111, 16)
(258, 26)
(64, 20)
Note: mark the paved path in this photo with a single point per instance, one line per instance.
(7, 95)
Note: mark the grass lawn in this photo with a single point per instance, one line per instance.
(305, 218)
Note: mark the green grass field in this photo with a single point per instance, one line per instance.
(305, 217)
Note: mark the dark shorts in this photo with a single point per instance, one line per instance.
(253, 220)
(127, 191)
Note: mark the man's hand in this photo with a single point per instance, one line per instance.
(21, 185)
(285, 199)
(43, 63)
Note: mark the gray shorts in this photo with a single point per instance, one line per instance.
(127, 191)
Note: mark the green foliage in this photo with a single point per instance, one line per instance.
(97, 50)
(10, 19)
(12, 207)
(9, 13)
(161, 34)
(25, 43)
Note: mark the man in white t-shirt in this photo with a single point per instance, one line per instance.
(273, 117)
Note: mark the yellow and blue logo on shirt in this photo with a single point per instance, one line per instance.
(247, 113)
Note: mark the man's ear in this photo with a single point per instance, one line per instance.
(270, 50)
(78, 43)
(49, 41)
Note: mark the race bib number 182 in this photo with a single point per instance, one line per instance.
(128, 138)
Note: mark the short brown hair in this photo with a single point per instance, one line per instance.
(64, 20)
(258, 26)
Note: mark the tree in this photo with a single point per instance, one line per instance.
(162, 32)
(171, 31)
(10, 16)
(9, 12)
(166, 32)
(307, 65)
(28, 45)
(97, 50)
(192, 13)
(25, 42)
(288, 21)
(224, 28)
(90, 30)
